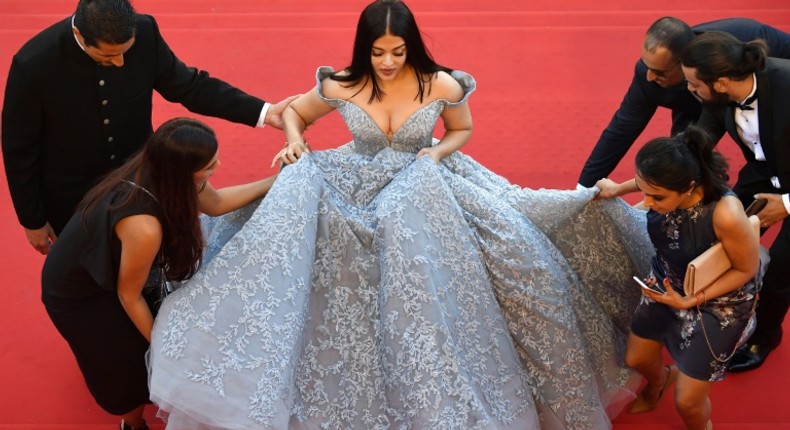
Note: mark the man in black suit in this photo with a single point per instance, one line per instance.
(78, 104)
(658, 81)
(747, 95)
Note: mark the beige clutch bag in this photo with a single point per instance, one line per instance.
(710, 265)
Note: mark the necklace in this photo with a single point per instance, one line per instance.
(141, 188)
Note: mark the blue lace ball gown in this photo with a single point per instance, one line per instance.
(373, 290)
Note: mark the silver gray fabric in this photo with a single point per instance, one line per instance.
(373, 290)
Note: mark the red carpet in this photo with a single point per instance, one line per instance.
(550, 75)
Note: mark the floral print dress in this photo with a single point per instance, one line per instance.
(679, 237)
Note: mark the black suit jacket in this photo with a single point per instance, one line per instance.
(773, 110)
(67, 120)
(643, 98)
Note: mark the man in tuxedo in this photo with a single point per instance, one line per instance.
(78, 103)
(658, 81)
(747, 95)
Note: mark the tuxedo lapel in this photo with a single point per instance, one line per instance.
(765, 111)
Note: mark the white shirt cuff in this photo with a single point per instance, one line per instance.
(261, 118)
(786, 201)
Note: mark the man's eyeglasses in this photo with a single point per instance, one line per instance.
(657, 72)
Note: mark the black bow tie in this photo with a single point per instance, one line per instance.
(746, 103)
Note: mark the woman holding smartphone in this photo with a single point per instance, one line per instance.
(690, 207)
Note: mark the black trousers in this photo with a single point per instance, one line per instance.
(775, 295)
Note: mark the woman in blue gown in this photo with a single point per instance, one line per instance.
(394, 282)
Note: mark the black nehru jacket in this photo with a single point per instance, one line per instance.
(67, 121)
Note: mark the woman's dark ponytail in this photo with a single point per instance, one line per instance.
(685, 160)
(713, 167)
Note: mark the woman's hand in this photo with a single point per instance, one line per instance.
(291, 153)
(671, 298)
(433, 152)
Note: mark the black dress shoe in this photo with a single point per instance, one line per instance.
(125, 426)
(749, 356)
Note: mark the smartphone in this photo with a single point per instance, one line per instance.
(655, 288)
(756, 206)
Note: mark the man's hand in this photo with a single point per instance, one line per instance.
(609, 189)
(274, 116)
(41, 238)
(773, 212)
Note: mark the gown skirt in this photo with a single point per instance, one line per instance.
(372, 289)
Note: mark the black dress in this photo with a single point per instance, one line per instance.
(679, 237)
(79, 291)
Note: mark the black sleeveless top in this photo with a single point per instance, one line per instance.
(87, 254)
(680, 236)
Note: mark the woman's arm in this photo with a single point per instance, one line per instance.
(297, 116)
(740, 242)
(141, 237)
(457, 120)
(458, 131)
(215, 202)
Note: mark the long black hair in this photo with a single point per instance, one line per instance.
(166, 167)
(674, 163)
(378, 19)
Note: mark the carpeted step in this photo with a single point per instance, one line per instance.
(189, 17)
(725, 7)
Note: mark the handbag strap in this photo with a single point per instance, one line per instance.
(737, 345)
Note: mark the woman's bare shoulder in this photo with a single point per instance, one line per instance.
(335, 89)
(728, 214)
(444, 86)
